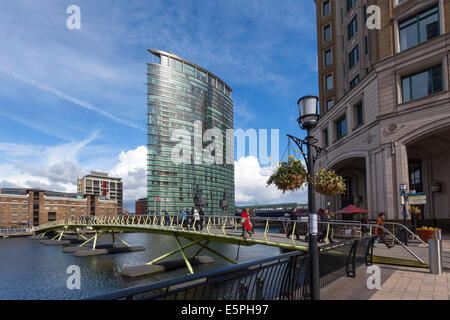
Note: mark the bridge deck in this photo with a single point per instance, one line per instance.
(232, 236)
(232, 233)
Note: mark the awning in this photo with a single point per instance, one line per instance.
(352, 210)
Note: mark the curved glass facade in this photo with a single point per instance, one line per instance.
(181, 93)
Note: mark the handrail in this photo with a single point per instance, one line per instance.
(386, 222)
(407, 229)
(189, 278)
(272, 278)
(222, 224)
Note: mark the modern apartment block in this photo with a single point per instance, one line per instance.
(24, 208)
(181, 94)
(100, 184)
(385, 104)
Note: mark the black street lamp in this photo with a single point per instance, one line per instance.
(307, 121)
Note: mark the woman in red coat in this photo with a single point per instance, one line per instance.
(246, 226)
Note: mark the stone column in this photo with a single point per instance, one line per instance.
(401, 169)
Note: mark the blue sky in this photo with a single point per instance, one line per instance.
(72, 101)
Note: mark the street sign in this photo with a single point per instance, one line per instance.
(417, 198)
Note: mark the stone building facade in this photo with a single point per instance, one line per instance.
(392, 126)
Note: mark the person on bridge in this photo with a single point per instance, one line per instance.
(202, 218)
(252, 216)
(364, 222)
(196, 220)
(326, 227)
(245, 219)
(183, 218)
(379, 230)
(166, 218)
(290, 229)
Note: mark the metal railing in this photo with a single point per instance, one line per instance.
(284, 277)
(226, 225)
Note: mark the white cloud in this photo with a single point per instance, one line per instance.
(251, 184)
(132, 168)
(131, 165)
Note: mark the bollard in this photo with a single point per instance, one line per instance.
(435, 252)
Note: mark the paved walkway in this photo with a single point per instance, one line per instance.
(408, 283)
(397, 283)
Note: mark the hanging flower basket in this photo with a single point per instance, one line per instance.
(288, 176)
(414, 210)
(329, 183)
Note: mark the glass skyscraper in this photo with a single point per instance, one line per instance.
(182, 95)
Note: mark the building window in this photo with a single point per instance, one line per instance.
(176, 64)
(201, 75)
(422, 84)
(352, 28)
(354, 82)
(420, 28)
(353, 57)
(325, 138)
(328, 57)
(359, 116)
(330, 104)
(366, 45)
(212, 81)
(327, 33)
(365, 13)
(415, 175)
(341, 128)
(51, 216)
(350, 4)
(329, 82)
(326, 8)
(188, 69)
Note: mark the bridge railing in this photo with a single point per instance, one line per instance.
(284, 277)
(231, 226)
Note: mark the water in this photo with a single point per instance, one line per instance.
(30, 270)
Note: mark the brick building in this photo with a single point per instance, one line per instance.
(385, 104)
(141, 206)
(21, 208)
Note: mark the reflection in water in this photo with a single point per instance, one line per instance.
(30, 270)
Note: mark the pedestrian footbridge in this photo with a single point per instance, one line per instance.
(275, 232)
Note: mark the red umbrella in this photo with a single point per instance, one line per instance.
(352, 210)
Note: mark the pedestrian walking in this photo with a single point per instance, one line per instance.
(183, 218)
(326, 227)
(253, 218)
(196, 220)
(245, 220)
(364, 227)
(202, 218)
(290, 229)
(379, 230)
(166, 218)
